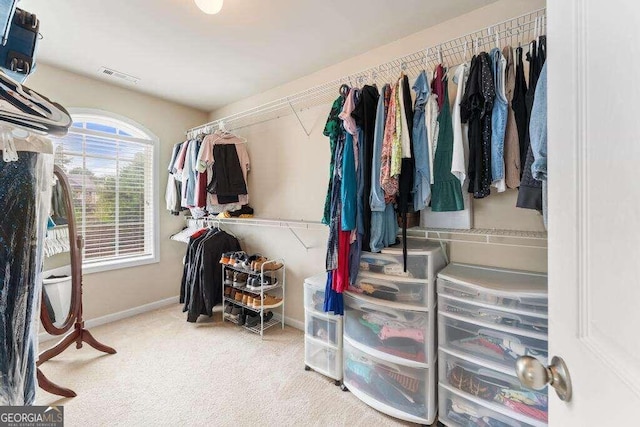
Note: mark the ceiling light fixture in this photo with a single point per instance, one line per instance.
(210, 7)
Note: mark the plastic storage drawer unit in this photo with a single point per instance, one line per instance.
(510, 290)
(494, 386)
(323, 359)
(456, 410)
(400, 391)
(399, 333)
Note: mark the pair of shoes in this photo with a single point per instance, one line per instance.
(247, 299)
(256, 283)
(253, 320)
(257, 263)
(266, 265)
(268, 301)
(227, 291)
(226, 257)
(228, 277)
(243, 317)
(239, 279)
(238, 296)
(241, 260)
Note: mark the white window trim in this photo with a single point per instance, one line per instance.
(99, 267)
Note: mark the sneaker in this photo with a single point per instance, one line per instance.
(254, 320)
(243, 318)
(238, 296)
(257, 263)
(228, 308)
(239, 259)
(228, 277)
(269, 301)
(239, 279)
(225, 257)
(245, 299)
(266, 281)
(271, 266)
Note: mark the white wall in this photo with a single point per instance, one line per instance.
(114, 291)
(289, 171)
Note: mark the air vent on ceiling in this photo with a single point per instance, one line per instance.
(118, 75)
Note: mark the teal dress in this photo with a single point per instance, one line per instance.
(446, 192)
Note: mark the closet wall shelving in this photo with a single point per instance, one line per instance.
(514, 31)
(519, 238)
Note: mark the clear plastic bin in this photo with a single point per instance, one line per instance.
(403, 334)
(397, 289)
(500, 345)
(459, 411)
(509, 290)
(323, 359)
(492, 314)
(400, 391)
(323, 328)
(493, 386)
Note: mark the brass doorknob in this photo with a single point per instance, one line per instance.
(533, 374)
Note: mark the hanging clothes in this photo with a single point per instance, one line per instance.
(476, 108)
(384, 226)
(25, 198)
(460, 154)
(388, 181)
(365, 117)
(348, 188)
(530, 193)
(511, 142)
(332, 130)
(446, 192)
(406, 176)
(538, 132)
(498, 121)
(422, 174)
(519, 107)
(201, 286)
(431, 121)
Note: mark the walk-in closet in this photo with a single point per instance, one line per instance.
(239, 212)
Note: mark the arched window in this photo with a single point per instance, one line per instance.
(111, 165)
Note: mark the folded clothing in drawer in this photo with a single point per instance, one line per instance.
(493, 386)
(314, 289)
(404, 290)
(400, 387)
(520, 291)
(499, 344)
(403, 333)
(458, 411)
(491, 314)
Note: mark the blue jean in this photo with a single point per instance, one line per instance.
(384, 228)
(421, 183)
(498, 118)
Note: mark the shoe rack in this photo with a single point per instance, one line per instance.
(250, 284)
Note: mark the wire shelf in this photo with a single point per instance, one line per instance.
(258, 222)
(519, 238)
(513, 32)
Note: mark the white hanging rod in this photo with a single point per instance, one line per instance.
(514, 31)
(260, 222)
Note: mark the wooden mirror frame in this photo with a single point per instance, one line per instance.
(79, 335)
(75, 244)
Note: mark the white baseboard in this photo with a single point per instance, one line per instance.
(294, 323)
(109, 318)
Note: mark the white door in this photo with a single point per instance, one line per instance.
(594, 216)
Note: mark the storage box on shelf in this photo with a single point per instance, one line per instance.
(247, 290)
(487, 318)
(390, 331)
(323, 331)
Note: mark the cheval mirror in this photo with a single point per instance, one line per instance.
(61, 304)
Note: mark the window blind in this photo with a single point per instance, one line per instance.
(110, 170)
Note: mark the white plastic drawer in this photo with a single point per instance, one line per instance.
(399, 289)
(323, 359)
(402, 334)
(493, 386)
(491, 314)
(314, 297)
(500, 345)
(459, 411)
(325, 329)
(512, 290)
(393, 265)
(400, 391)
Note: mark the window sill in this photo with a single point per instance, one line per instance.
(119, 264)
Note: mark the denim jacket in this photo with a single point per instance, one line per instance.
(422, 184)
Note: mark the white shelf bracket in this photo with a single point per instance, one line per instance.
(304, 129)
(299, 239)
(444, 249)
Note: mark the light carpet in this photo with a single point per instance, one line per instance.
(168, 372)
